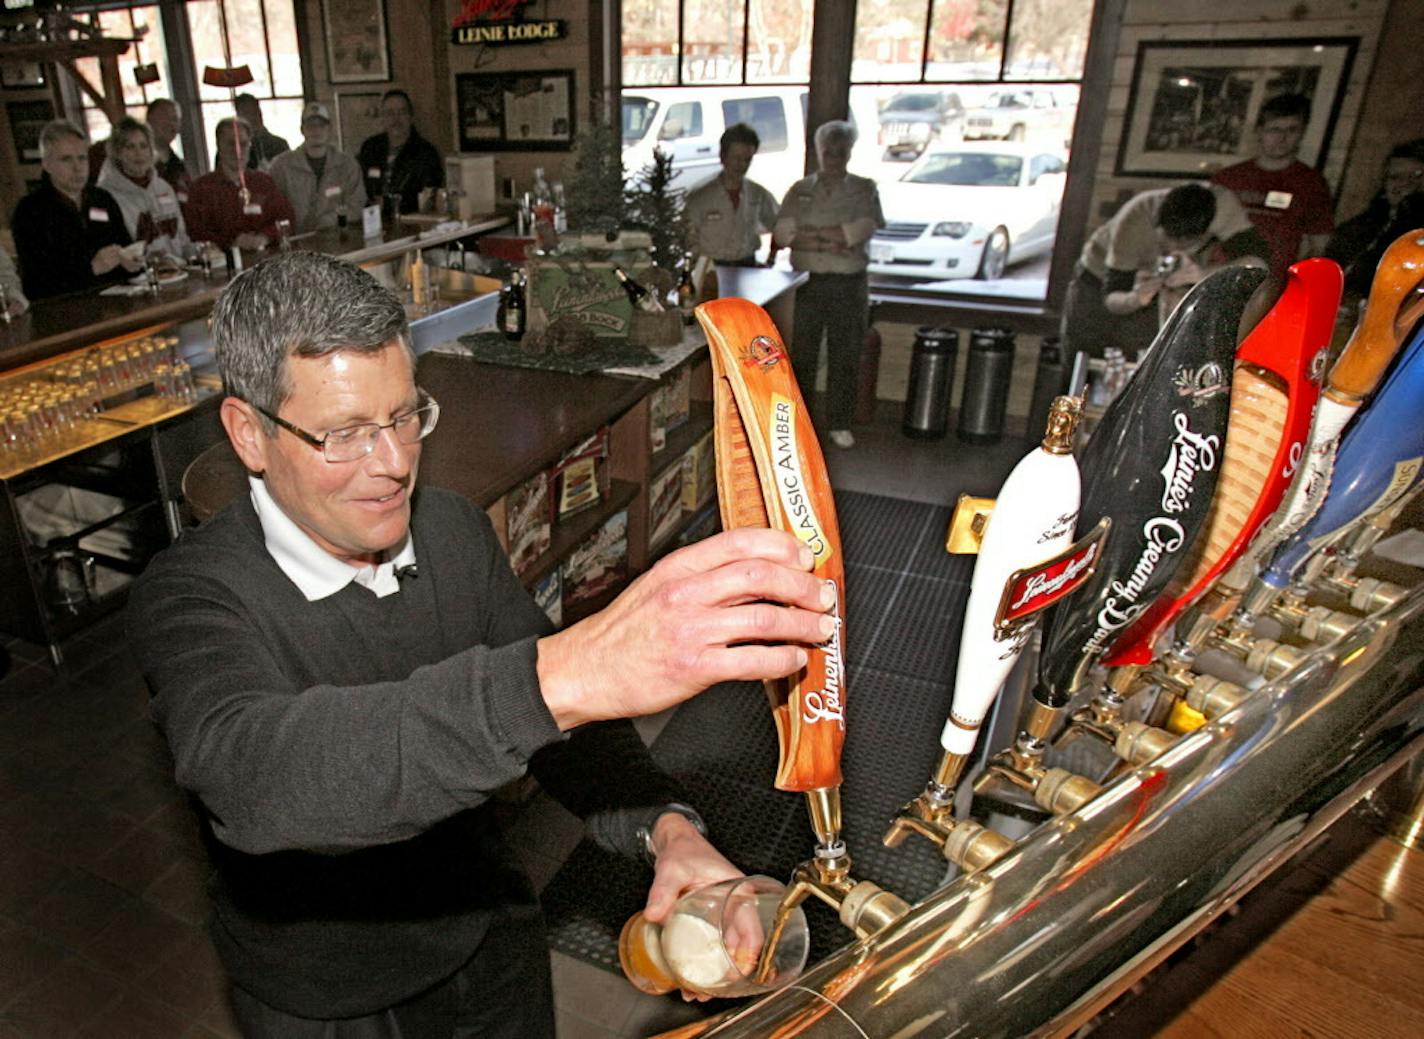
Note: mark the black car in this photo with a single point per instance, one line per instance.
(911, 120)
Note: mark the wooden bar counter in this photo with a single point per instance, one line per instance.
(72, 322)
(499, 426)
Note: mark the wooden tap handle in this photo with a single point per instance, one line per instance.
(1376, 339)
(771, 473)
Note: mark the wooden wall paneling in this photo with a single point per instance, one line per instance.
(1151, 20)
(1392, 108)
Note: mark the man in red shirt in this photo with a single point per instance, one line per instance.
(234, 205)
(1289, 202)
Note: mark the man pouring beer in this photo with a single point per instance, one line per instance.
(346, 668)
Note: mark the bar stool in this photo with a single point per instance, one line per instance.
(213, 479)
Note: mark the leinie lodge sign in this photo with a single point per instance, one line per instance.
(499, 23)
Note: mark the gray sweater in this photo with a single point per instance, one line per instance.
(342, 753)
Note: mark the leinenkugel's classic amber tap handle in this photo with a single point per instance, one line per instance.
(771, 473)
(1376, 340)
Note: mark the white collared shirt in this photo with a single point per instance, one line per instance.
(316, 572)
(725, 232)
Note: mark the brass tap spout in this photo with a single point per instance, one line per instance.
(1054, 789)
(963, 842)
(1102, 717)
(931, 814)
(1236, 634)
(864, 907)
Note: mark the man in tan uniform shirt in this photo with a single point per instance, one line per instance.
(728, 215)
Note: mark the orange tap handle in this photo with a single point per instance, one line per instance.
(1376, 339)
(771, 473)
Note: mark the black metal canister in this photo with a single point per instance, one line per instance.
(987, 374)
(931, 382)
(1049, 380)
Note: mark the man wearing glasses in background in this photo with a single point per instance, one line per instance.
(346, 668)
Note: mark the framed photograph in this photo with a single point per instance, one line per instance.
(27, 119)
(358, 116)
(356, 46)
(515, 111)
(1194, 103)
(21, 74)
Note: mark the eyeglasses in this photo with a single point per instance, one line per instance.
(352, 443)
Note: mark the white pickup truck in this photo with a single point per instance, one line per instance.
(1021, 114)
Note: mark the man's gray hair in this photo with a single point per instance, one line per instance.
(298, 304)
(57, 130)
(232, 120)
(837, 131)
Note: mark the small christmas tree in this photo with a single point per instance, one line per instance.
(655, 205)
(593, 186)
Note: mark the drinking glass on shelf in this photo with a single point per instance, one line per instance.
(711, 942)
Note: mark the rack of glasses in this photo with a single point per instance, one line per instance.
(92, 445)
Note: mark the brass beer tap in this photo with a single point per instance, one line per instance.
(1055, 790)
(863, 906)
(967, 844)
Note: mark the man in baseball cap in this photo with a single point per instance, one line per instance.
(323, 184)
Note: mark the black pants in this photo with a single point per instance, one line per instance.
(1090, 326)
(838, 306)
(502, 992)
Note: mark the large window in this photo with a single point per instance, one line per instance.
(965, 110)
(667, 43)
(262, 35)
(144, 23)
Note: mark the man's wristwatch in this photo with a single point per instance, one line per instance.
(645, 831)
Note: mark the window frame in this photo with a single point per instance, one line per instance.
(184, 67)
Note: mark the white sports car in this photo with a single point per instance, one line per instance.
(969, 211)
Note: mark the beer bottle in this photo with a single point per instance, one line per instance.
(513, 318)
(686, 293)
(640, 297)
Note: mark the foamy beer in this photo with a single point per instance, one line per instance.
(712, 941)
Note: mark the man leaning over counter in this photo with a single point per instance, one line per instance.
(346, 668)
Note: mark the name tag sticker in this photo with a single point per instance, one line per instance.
(333, 191)
(99, 215)
(183, 197)
(374, 173)
(1278, 199)
(371, 222)
(252, 209)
